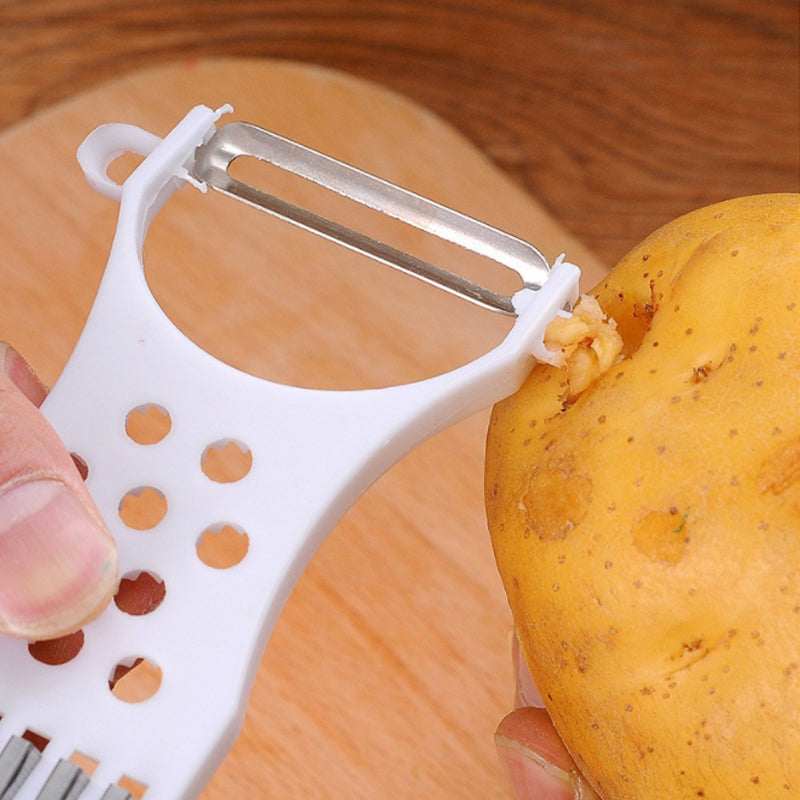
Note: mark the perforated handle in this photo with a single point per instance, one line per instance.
(304, 457)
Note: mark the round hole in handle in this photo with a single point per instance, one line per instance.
(55, 652)
(80, 465)
(135, 679)
(140, 592)
(222, 546)
(143, 508)
(148, 423)
(226, 461)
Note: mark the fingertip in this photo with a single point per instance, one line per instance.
(533, 729)
(537, 764)
(16, 368)
(57, 561)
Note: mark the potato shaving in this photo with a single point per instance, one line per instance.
(587, 344)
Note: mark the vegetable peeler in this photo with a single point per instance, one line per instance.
(232, 458)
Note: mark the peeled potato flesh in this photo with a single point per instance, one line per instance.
(647, 527)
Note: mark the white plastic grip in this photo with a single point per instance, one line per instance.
(104, 145)
(313, 453)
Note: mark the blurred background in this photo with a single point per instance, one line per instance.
(617, 115)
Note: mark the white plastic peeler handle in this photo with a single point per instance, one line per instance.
(313, 453)
(107, 143)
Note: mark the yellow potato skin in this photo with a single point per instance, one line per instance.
(648, 534)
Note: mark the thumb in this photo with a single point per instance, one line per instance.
(535, 759)
(57, 559)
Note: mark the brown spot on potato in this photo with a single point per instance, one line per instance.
(661, 535)
(702, 372)
(781, 469)
(562, 496)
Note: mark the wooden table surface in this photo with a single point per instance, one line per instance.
(617, 115)
(389, 667)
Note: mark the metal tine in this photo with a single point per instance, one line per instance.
(66, 782)
(236, 139)
(115, 792)
(17, 760)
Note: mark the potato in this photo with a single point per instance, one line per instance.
(647, 526)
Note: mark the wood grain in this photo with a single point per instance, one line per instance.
(390, 666)
(617, 115)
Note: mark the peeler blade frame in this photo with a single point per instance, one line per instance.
(241, 139)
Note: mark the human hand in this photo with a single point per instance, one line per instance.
(537, 763)
(58, 565)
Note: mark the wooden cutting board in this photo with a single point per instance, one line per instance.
(390, 665)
